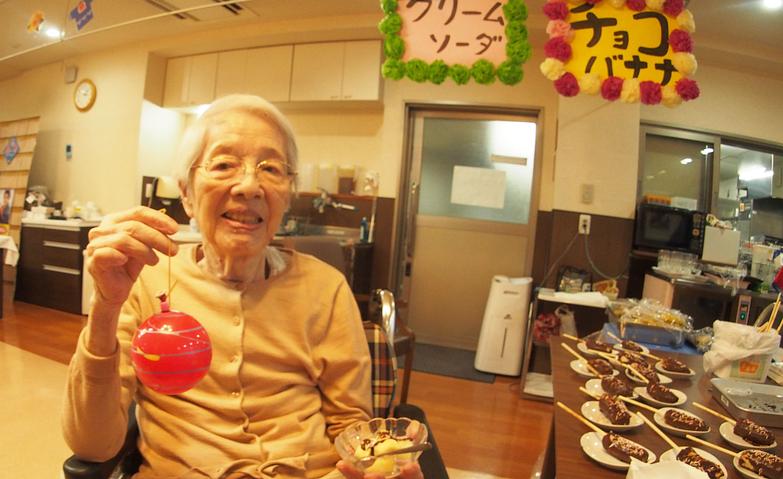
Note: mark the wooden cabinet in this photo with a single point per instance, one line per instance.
(50, 268)
(336, 71)
(190, 80)
(265, 72)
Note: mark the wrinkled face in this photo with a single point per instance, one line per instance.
(239, 217)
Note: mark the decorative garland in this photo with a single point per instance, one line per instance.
(518, 51)
(558, 52)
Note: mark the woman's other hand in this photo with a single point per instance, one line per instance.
(122, 245)
(409, 471)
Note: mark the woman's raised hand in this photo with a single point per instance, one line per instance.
(122, 245)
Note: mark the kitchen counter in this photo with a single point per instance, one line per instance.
(71, 224)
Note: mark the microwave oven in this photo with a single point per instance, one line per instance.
(663, 227)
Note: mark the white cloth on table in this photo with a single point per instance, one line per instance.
(12, 253)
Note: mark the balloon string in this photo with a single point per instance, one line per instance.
(163, 210)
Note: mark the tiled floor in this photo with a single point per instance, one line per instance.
(31, 393)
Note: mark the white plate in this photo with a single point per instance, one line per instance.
(727, 432)
(582, 347)
(671, 455)
(592, 411)
(619, 347)
(745, 472)
(659, 419)
(633, 377)
(642, 392)
(690, 372)
(580, 367)
(593, 386)
(594, 448)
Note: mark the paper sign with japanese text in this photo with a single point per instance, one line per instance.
(631, 50)
(431, 40)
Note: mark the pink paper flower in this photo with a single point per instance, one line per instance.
(673, 7)
(611, 88)
(567, 85)
(558, 28)
(681, 41)
(687, 89)
(556, 10)
(558, 48)
(650, 92)
(637, 5)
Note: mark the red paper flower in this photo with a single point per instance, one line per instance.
(650, 92)
(673, 7)
(611, 88)
(593, 1)
(556, 10)
(681, 41)
(558, 48)
(637, 5)
(687, 89)
(567, 85)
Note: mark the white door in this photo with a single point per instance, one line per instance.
(469, 197)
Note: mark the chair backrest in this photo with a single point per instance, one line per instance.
(382, 311)
(326, 248)
(384, 369)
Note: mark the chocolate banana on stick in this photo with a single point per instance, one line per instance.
(754, 433)
(614, 410)
(762, 463)
(623, 449)
(693, 459)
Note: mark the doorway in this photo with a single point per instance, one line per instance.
(468, 203)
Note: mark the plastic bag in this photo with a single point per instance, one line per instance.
(566, 317)
(701, 338)
(733, 342)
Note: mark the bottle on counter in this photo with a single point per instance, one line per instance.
(364, 230)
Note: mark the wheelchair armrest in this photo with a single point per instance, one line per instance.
(430, 461)
(128, 458)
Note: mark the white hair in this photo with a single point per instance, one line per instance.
(194, 141)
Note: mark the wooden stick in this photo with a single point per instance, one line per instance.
(709, 444)
(568, 336)
(651, 355)
(638, 374)
(581, 358)
(774, 314)
(607, 356)
(614, 336)
(580, 418)
(714, 413)
(581, 388)
(638, 404)
(658, 431)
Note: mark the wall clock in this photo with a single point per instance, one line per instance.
(84, 95)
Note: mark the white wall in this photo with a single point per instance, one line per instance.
(160, 130)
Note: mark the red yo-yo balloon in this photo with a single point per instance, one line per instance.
(170, 351)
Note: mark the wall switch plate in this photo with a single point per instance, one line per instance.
(584, 224)
(68, 151)
(588, 192)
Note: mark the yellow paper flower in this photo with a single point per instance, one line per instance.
(590, 83)
(685, 63)
(669, 96)
(617, 3)
(552, 68)
(686, 22)
(656, 5)
(630, 92)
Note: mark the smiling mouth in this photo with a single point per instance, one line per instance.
(244, 218)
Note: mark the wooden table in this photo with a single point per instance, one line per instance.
(569, 459)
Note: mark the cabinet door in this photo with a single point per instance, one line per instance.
(361, 70)
(317, 71)
(176, 87)
(268, 72)
(201, 84)
(231, 72)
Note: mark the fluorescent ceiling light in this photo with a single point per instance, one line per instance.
(708, 149)
(755, 173)
(52, 32)
(686, 161)
(772, 4)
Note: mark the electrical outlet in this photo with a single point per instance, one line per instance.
(584, 224)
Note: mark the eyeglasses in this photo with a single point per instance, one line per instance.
(227, 168)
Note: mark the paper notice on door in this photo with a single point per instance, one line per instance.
(478, 187)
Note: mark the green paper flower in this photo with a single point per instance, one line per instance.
(394, 46)
(389, 6)
(438, 72)
(417, 70)
(393, 68)
(391, 23)
(483, 71)
(518, 51)
(510, 72)
(515, 10)
(459, 73)
(516, 32)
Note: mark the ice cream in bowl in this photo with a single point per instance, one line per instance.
(371, 446)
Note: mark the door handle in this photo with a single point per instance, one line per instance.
(413, 209)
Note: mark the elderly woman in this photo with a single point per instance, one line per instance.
(290, 367)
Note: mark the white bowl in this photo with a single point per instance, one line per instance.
(580, 368)
(674, 374)
(642, 392)
(671, 455)
(592, 411)
(659, 419)
(593, 446)
(727, 432)
(582, 347)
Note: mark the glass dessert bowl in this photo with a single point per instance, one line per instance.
(381, 436)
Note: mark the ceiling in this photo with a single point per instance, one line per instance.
(733, 33)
